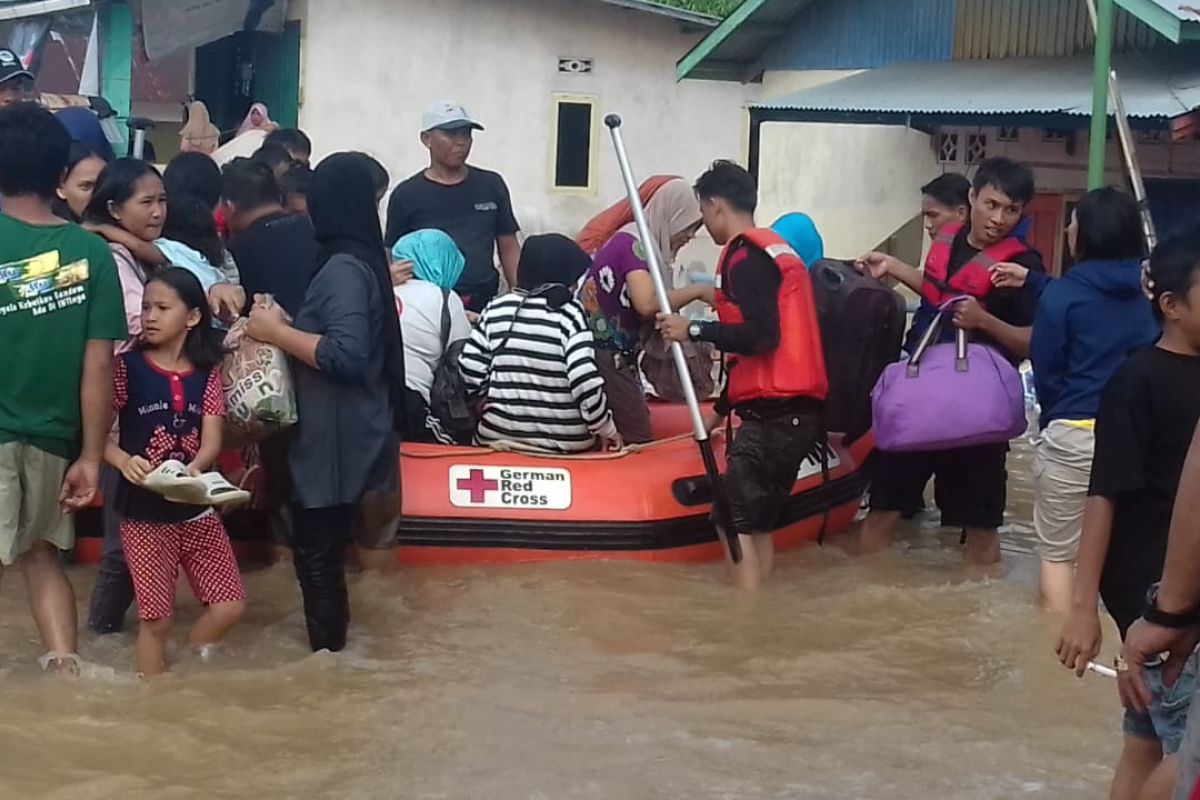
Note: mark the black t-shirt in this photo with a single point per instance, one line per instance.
(474, 213)
(1147, 416)
(1014, 306)
(277, 255)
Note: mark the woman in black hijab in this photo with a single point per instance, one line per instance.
(534, 359)
(348, 365)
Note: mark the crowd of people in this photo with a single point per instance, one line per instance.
(116, 281)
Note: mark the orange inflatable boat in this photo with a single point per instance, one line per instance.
(470, 505)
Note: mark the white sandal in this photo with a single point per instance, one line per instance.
(172, 481)
(220, 493)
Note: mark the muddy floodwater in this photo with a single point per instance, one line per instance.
(891, 677)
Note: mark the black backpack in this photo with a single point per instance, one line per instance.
(449, 400)
(862, 329)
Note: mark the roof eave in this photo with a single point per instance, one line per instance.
(932, 119)
(695, 18)
(688, 64)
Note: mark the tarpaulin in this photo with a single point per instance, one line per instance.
(171, 25)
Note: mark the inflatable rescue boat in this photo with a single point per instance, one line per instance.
(472, 505)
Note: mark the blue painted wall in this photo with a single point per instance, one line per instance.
(861, 34)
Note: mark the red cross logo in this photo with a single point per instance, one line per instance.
(477, 485)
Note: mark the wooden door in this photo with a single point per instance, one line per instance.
(1045, 213)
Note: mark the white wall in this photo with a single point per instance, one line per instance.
(371, 66)
(859, 183)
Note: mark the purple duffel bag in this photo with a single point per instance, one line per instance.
(947, 396)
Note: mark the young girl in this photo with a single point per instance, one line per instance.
(170, 407)
(1144, 425)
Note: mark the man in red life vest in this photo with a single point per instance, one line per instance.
(972, 480)
(777, 382)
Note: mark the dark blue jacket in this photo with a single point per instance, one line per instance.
(1086, 323)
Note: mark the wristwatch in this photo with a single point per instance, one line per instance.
(1156, 616)
(694, 331)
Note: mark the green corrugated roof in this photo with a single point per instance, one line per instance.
(1172, 18)
(740, 40)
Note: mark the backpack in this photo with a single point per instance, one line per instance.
(449, 399)
(862, 329)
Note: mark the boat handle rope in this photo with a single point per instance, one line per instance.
(504, 448)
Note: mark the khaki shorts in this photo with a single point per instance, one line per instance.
(1062, 469)
(30, 484)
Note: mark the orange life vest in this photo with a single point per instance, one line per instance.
(796, 368)
(974, 278)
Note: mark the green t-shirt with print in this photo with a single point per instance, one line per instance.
(58, 290)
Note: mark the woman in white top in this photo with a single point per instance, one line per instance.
(432, 318)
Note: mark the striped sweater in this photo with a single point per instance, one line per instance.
(544, 391)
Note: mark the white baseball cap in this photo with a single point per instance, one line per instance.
(447, 116)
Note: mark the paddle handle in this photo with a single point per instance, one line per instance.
(700, 432)
(652, 259)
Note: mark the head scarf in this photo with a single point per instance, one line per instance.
(434, 256)
(341, 203)
(551, 264)
(249, 125)
(199, 134)
(607, 223)
(799, 231)
(671, 211)
(84, 127)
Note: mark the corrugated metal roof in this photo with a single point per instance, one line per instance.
(740, 40)
(862, 35)
(1033, 28)
(732, 51)
(998, 88)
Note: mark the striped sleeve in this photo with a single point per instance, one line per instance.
(476, 359)
(587, 385)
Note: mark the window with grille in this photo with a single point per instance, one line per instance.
(948, 148)
(976, 148)
(573, 164)
(1008, 134)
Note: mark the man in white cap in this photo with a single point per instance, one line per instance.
(16, 82)
(472, 205)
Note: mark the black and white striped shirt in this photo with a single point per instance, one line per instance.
(544, 391)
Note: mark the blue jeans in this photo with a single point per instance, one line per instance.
(1168, 714)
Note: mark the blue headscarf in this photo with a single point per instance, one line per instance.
(434, 256)
(85, 128)
(801, 233)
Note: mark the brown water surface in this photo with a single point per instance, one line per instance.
(891, 677)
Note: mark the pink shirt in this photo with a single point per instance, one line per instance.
(133, 285)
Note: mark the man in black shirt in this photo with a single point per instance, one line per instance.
(276, 251)
(776, 379)
(972, 481)
(472, 205)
